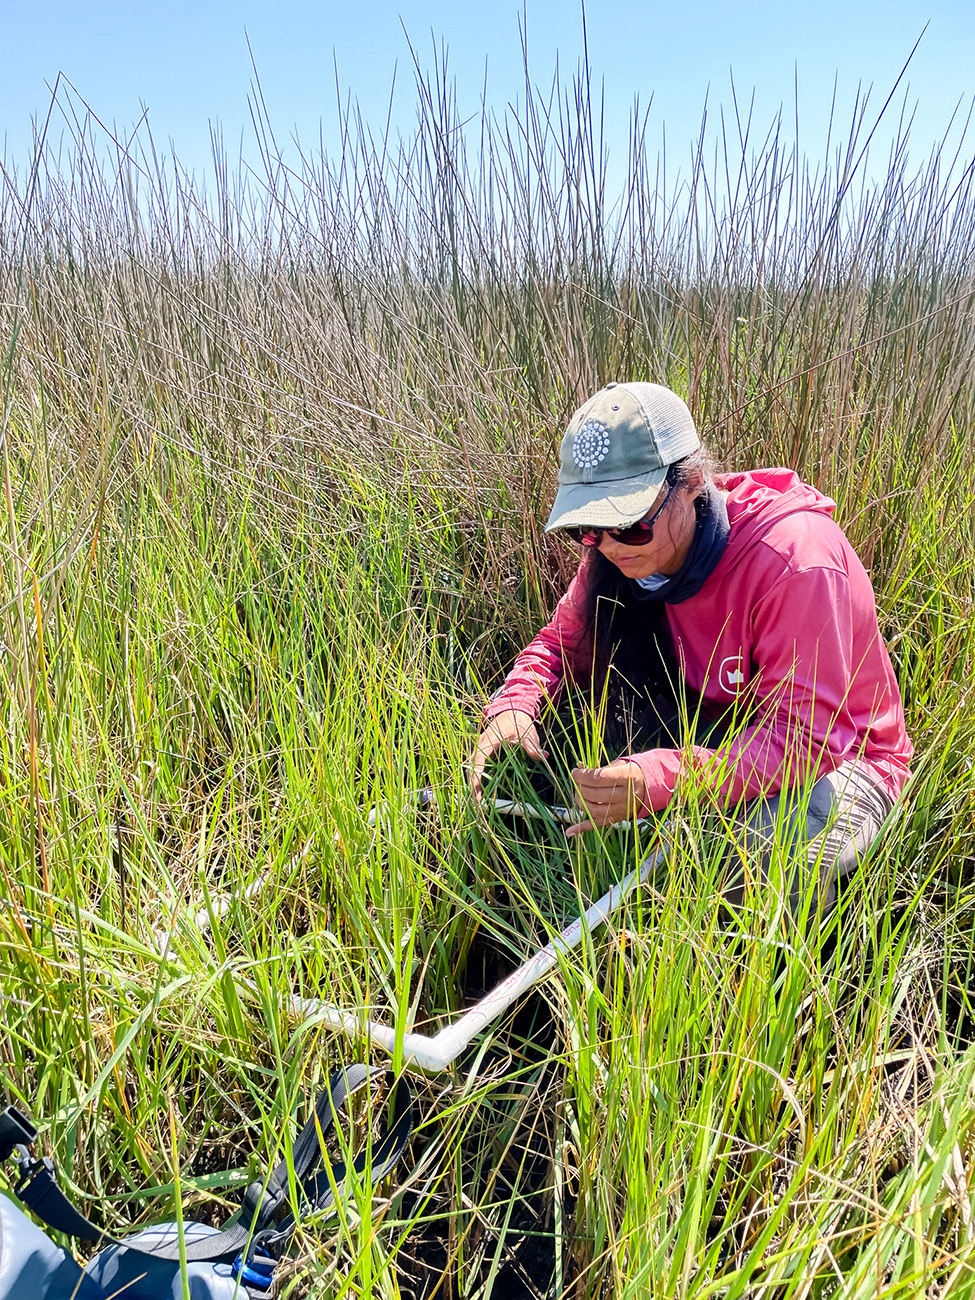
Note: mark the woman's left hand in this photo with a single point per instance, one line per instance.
(608, 794)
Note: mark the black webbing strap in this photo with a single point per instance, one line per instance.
(375, 1164)
(38, 1187)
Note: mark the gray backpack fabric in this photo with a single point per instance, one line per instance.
(32, 1267)
(128, 1273)
(230, 1263)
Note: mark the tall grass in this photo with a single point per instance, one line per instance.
(276, 458)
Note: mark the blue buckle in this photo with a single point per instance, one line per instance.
(255, 1273)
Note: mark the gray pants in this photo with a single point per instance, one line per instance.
(796, 836)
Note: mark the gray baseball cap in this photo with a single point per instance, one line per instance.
(616, 453)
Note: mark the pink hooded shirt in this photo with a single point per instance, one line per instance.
(784, 629)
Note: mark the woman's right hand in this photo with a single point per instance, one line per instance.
(505, 731)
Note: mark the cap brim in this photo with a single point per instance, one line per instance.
(605, 505)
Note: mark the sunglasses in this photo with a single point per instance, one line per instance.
(638, 534)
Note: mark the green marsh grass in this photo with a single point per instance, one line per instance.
(276, 460)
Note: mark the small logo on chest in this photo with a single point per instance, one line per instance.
(730, 676)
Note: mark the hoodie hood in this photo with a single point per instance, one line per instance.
(759, 499)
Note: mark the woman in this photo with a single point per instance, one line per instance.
(740, 590)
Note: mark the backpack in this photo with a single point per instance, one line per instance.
(230, 1263)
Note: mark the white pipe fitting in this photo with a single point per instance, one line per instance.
(437, 1051)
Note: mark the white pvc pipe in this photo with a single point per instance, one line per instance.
(563, 816)
(220, 905)
(437, 1051)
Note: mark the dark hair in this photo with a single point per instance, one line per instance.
(628, 644)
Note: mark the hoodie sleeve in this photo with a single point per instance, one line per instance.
(803, 634)
(541, 668)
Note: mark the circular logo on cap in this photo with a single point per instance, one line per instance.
(590, 445)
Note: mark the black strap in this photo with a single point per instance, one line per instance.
(16, 1130)
(321, 1190)
(38, 1187)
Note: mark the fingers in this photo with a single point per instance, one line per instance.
(530, 744)
(519, 729)
(505, 730)
(597, 789)
(598, 816)
(578, 828)
(477, 772)
(608, 794)
(488, 745)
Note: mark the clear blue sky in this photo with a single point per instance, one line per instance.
(188, 63)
